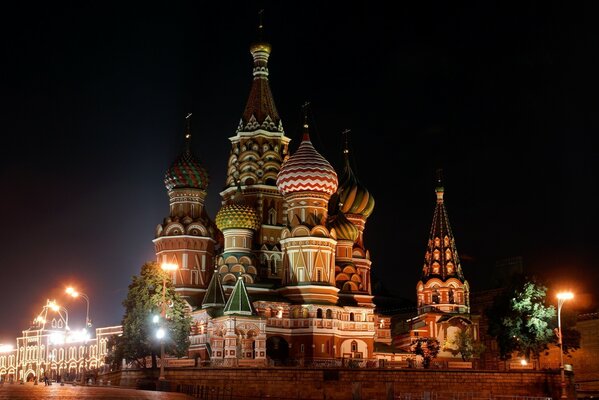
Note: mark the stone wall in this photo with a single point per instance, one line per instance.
(355, 384)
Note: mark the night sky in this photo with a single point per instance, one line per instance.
(504, 99)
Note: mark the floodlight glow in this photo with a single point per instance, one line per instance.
(169, 266)
(155, 319)
(6, 348)
(160, 333)
(565, 295)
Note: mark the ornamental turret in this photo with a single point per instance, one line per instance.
(238, 221)
(307, 181)
(258, 149)
(187, 236)
(352, 264)
(442, 286)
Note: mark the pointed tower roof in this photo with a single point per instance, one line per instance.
(260, 111)
(215, 295)
(239, 301)
(441, 259)
(307, 170)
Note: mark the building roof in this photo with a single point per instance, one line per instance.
(307, 171)
(441, 259)
(215, 295)
(239, 302)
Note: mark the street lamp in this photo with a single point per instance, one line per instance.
(166, 267)
(73, 293)
(561, 298)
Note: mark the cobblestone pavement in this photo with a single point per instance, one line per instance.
(70, 392)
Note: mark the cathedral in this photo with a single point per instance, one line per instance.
(282, 274)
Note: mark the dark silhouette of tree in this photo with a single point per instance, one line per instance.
(143, 302)
(427, 347)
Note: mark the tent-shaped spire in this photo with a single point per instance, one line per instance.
(215, 295)
(441, 259)
(239, 301)
(260, 111)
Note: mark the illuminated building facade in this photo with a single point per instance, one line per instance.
(282, 274)
(49, 348)
(443, 294)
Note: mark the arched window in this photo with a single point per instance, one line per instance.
(435, 296)
(329, 314)
(351, 316)
(272, 216)
(319, 313)
(354, 346)
(451, 298)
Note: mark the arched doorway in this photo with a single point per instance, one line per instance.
(277, 349)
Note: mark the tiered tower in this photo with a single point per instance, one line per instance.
(187, 236)
(352, 269)
(257, 152)
(307, 181)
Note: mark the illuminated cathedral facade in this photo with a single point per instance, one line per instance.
(283, 272)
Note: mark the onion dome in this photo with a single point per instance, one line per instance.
(343, 227)
(353, 195)
(237, 215)
(186, 171)
(307, 170)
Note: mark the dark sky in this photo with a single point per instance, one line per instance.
(503, 98)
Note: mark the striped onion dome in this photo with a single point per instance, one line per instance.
(306, 170)
(237, 215)
(186, 172)
(343, 227)
(354, 197)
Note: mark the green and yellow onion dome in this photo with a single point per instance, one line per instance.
(353, 196)
(343, 227)
(186, 172)
(237, 215)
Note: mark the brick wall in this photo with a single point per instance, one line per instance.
(341, 384)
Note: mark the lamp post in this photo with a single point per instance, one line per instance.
(74, 293)
(166, 267)
(561, 298)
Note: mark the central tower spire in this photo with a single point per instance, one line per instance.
(260, 111)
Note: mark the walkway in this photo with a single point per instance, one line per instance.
(69, 392)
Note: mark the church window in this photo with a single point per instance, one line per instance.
(304, 312)
(302, 348)
(437, 255)
(272, 216)
(318, 275)
(437, 242)
(351, 316)
(451, 296)
(449, 268)
(354, 346)
(436, 267)
(446, 241)
(295, 313)
(329, 314)
(300, 275)
(435, 296)
(194, 277)
(280, 313)
(319, 313)
(448, 254)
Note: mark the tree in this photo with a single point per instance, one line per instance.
(427, 347)
(463, 343)
(520, 320)
(143, 302)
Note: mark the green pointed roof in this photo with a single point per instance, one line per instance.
(239, 301)
(215, 295)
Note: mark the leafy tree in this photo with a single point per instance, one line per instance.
(520, 320)
(143, 302)
(463, 343)
(114, 351)
(427, 347)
